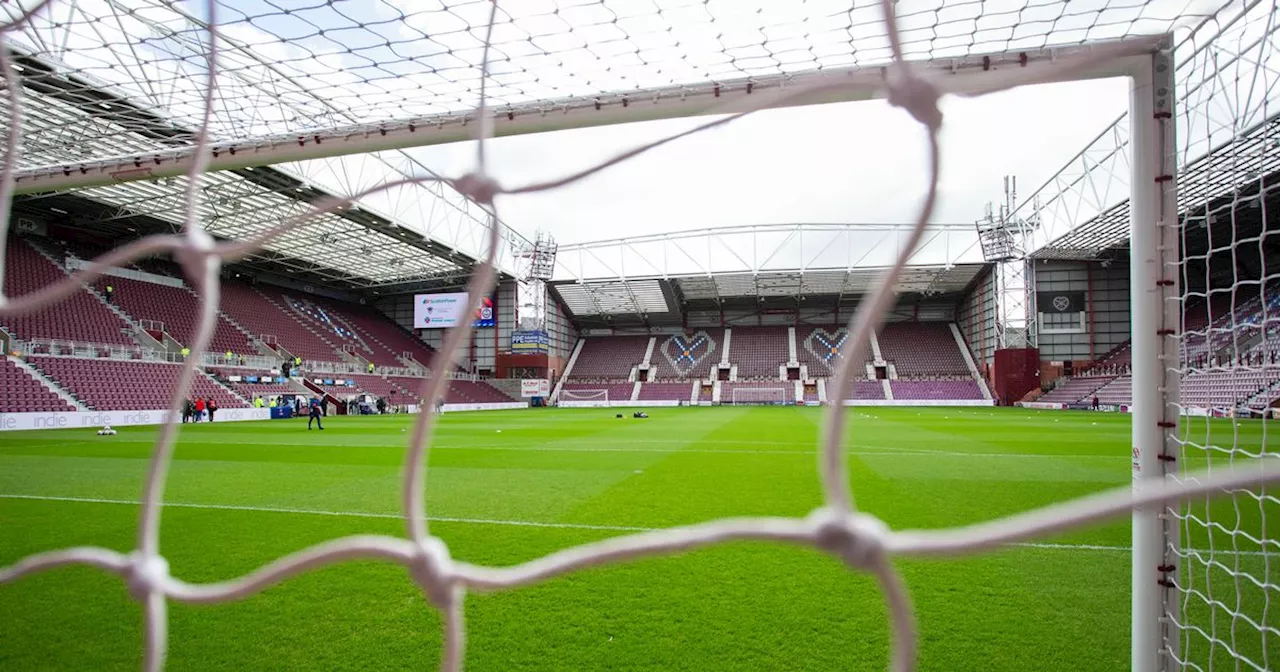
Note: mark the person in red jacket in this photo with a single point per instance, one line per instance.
(199, 410)
(212, 405)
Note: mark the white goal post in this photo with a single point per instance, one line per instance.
(142, 131)
(776, 396)
(584, 398)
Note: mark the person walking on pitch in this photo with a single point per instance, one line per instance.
(315, 414)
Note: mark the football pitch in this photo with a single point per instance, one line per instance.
(506, 487)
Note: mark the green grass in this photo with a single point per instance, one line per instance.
(1062, 606)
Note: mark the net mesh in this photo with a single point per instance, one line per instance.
(1221, 551)
(585, 397)
(207, 72)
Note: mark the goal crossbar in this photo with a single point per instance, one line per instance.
(967, 74)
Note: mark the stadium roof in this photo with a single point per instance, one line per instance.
(656, 274)
(420, 234)
(118, 85)
(1225, 148)
(1225, 172)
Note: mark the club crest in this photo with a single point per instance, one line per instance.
(685, 352)
(827, 347)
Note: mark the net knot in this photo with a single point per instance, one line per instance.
(478, 187)
(857, 538)
(196, 252)
(918, 96)
(432, 568)
(145, 574)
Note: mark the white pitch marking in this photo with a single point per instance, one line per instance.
(521, 523)
(345, 514)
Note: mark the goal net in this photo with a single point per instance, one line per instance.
(585, 398)
(775, 396)
(1222, 358)
(234, 143)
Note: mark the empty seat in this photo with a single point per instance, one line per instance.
(116, 385)
(919, 349)
(665, 391)
(178, 309)
(936, 390)
(20, 393)
(79, 317)
(247, 306)
(609, 357)
(758, 352)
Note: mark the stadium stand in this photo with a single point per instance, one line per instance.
(476, 392)
(177, 309)
(80, 317)
(941, 390)
(609, 357)
(458, 392)
(1075, 389)
(1113, 363)
(264, 390)
(758, 352)
(334, 390)
(379, 386)
(20, 393)
(327, 322)
(865, 389)
(920, 349)
(1225, 389)
(617, 391)
(819, 348)
(1118, 391)
(810, 394)
(665, 392)
(386, 339)
(253, 311)
(686, 356)
(114, 385)
(320, 338)
(767, 392)
(706, 394)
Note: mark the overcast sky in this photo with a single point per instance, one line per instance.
(849, 162)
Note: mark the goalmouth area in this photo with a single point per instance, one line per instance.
(512, 485)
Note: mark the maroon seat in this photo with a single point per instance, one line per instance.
(758, 351)
(116, 385)
(922, 349)
(609, 357)
(386, 339)
(251, 308)
(665, 391)
(20, 393)
(178, 309)
(79, 317)
(936, 390)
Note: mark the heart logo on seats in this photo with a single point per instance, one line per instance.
(685, 352)
(827, 347)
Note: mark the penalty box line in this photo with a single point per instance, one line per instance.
(508, 523)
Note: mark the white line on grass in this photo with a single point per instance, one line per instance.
(807, 452)
(316, 512)
(521, 523)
